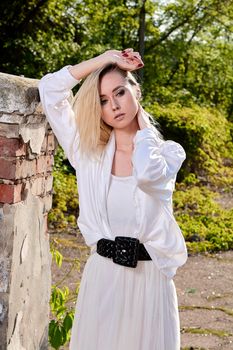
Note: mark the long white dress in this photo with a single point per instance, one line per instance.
(123, 308)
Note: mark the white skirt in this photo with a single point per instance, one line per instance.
(123, 308)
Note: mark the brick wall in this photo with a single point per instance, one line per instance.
(26, 159)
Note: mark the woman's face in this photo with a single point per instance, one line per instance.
(118, 100)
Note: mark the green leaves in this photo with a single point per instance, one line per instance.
(59, 331)
(206, 136)
(61, 324)
(57, 256)
(205, 224)
(65, 195)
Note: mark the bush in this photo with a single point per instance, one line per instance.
(205, 225)
(65, 194)
(206, 136)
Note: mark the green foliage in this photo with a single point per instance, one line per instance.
(57, 256)
(61, 304)
(65, 195)
(206, 137)
(40, 31)
(191, 57)
(60, 327)
(205, 224)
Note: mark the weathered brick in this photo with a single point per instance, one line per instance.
(38, 186)
(44, 164)
(10, 193)
(7, 168)
(12, 147)
(14, 168)
(9, 130)
(25, 168)
(51, 142)
(36, 118)
(34, 134)
(13, 118)
(17, 192)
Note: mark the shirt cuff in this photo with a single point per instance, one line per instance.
(67, 79)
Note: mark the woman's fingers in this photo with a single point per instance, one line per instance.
(127, 59)
(127, 50)
(129, 65)
(131, 54)
(132, 57)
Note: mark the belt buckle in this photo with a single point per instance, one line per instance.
(126, 251)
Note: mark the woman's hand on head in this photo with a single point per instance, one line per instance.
(127, 59)
(143, 118)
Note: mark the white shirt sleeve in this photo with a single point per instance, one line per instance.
(156, 163)
(55, 93)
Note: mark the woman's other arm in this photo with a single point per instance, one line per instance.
(155, 162)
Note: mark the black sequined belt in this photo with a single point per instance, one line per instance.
(124, 251)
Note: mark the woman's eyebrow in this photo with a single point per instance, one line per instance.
(116, 88)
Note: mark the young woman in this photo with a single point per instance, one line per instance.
(126, 175)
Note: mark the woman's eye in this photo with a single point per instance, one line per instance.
(103, 102)
(121, 93)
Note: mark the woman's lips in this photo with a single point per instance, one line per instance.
(119, 116)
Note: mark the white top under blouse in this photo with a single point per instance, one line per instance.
(121, 206)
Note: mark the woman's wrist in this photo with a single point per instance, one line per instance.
(126, 59)
(84, 68)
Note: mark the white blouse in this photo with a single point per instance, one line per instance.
(155, 166)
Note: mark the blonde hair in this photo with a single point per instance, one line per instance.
(94, 133)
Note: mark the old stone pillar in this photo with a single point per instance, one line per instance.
(26, 158)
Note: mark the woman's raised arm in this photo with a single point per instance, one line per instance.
(126, 59)
(55, 94)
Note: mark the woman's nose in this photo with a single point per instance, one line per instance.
(114, 104)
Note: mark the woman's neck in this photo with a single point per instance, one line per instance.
(124, 137)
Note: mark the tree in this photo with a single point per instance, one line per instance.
(186, 44)
(193, 53)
